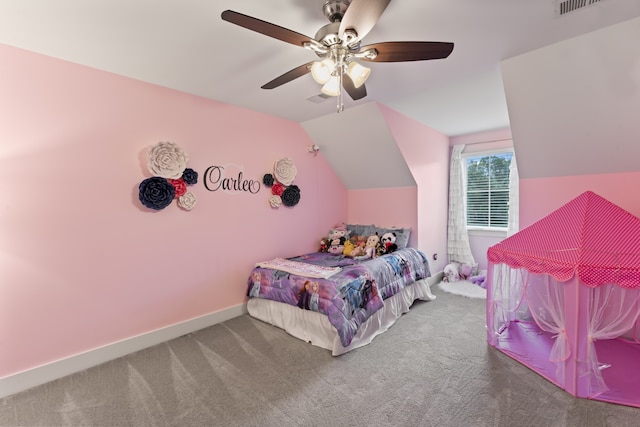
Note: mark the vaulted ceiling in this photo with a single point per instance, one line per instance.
(185, 45)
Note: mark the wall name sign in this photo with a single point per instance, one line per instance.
(231, 180)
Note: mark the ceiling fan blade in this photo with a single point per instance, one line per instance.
(361, 16)
(265, 28)
(408, 51)
(354, 92)
(288, 76)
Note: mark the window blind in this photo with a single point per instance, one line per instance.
(488, 190)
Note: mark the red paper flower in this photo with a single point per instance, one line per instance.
(179, 185)
(277, 189)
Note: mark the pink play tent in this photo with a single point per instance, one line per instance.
(563, 298)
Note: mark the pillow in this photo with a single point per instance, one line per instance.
(402, 234)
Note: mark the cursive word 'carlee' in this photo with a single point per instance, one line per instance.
(214, 180)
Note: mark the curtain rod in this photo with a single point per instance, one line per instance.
(485, 142)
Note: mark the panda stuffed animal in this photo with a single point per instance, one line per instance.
(388, 243)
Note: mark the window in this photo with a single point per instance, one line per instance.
(488, 190)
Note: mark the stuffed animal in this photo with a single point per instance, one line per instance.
(358, 251)
(388, 243)
(337, 237)
(465, 271)
(359, 243)
(324, 247)
(371, 247)
(451, 273)
(348, 248)
(339, 232)
(480, 280)
(458, 271)
(336, 247)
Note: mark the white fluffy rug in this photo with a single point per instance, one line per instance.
(464, 288)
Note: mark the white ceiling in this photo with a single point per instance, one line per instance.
(185, 45)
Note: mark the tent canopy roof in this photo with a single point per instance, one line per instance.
(589, 237)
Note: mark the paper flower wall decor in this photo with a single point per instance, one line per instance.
(168, 163)
(285, 171)
(283, 192)
(167, 160)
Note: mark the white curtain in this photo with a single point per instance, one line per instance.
(458, 239)
(514, 198)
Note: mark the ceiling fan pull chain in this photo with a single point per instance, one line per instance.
(340, 104)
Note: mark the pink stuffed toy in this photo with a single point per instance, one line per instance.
(465, 271)
(337, 237)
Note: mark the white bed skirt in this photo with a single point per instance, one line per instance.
(313, 327)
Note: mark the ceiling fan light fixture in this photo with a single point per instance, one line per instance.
(339, 44)
(332, 86)
(321, 70)
(358, 73)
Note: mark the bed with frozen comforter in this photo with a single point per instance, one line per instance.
(335, 301)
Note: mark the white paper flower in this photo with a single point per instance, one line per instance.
(188, 201)
(167, 160)
(275, 201)
(285, 171)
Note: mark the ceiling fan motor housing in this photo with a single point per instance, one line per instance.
(334, 9)
(328, 34)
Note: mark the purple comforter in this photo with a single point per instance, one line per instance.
(349, 297)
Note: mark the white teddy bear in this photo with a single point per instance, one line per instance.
(451, 273)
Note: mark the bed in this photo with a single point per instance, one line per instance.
(335, 301)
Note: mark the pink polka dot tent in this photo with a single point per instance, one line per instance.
(563, 298)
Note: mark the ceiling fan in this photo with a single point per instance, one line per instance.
(338, 44)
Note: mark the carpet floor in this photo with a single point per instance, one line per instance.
(432, 368)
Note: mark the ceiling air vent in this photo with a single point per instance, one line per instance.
(321, 97)
(562, 7)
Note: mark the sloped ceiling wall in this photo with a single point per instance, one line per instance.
(574, 109)
(359, 147)
(574, 106)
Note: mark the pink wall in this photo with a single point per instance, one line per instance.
(82, 263)
(541, 196)
(426, 152)
(424, 207)
(380, 206)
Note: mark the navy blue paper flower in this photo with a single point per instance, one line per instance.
(267, 180)
(291, 195)
(190, 176)
(156, 193)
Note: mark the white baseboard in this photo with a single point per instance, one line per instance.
(436, 278)
(43, 374)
